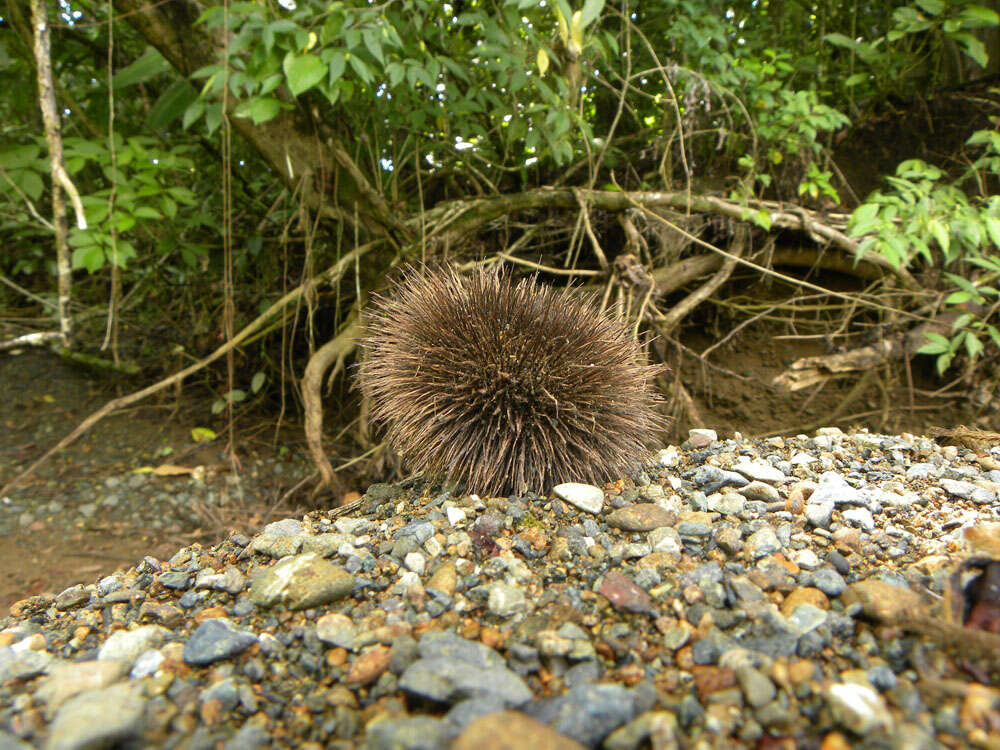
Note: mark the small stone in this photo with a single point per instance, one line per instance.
(665, 540)
(804, 595)
(760, 491)
(109, 717)
(669, 458)
(586, 497)
(833, 487)
(623, 594)
(859, 708)
(819, 514)
(407, 733)
(805, 618)
(73, 597)
(66, 680)
(804, 558)
(762, 543)
(300, 582)
(216, 639)
(728, 503)
(174, 579)
(506, 600)
(337, 630)
(587, 713)
(232, 581)
(760, 472)
(882, 601)
(641, 517)
(455, 515)
(444, 579)
(415, 562)
(702, 438)
(369, 666)
(127, 645)
(861, 517)
(827, 580)
(968, 491)
(508, 730)
(756, 686)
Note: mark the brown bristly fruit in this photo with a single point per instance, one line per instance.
(507, 386)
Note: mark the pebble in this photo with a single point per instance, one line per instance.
(108, 717)
(300, 582)
(586, 497)
(214, 640)
(511, 729)
(128, 645)
(762, 543)
(640, 517)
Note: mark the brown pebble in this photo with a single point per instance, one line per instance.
(369, 666)
(882, 601)
(211, 711)
(835, 741)
(804, 595)
(708, 680)
(336, 657)
(641, 517)
(209, 613)
(491, 637)
(511, 730)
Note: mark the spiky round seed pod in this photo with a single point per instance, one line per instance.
(507, 386)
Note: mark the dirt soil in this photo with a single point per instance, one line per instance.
(44, 398)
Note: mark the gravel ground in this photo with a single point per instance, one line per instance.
(780, 593)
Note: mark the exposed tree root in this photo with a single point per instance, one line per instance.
(331, 274)
(813, 370)
(333, 352)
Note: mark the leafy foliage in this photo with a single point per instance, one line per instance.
(927, 218)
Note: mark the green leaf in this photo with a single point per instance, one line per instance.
(259, 110)
(363, 71)
(994, 335)
(993, 229)
(168, 207)
(973, 345)
(194, 111)
(840, 40)
(258, 381)
(303, 72)
(19, 156)
(957, 298)
(591, 10)
(977, 15)
(943, 362)
(762, 219)
(940, 234)
(932, 7)
(172, 104)
(372, 44)
(337, 64)
(148, 212)
(855, 79)
(933, 348)
(149, 65)
(202, 435)
(31, 183)
(124, 222)
(973, 47)
(90, 257)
